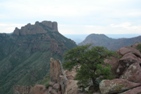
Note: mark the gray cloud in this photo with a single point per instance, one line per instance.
(74, 16)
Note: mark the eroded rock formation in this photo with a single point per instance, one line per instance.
(127, 68)
(37, 28)
(58, 80)
(61, 82)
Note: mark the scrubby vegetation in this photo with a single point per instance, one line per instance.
(139, 47)
(89, 63)
(24, 60)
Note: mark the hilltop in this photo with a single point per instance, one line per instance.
(110, 43)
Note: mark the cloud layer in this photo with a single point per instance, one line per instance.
(74, 16)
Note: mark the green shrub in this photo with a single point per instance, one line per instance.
(139, 47)
(90, 64)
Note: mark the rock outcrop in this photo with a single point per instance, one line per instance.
(61, 82)
(133, 73)
(127, 68)
(116, 85)
(56, 70)
(37, 28)
(38, 89)
(58, 80)
(125, 50)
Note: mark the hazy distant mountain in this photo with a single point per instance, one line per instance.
(78, 38)
(110, 43)
(25, 54)
(117, 36)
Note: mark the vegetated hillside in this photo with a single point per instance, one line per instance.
(110, 43)
(25, 54)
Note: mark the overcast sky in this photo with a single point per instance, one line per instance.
(74, 16)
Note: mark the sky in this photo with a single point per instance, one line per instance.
(74, 16)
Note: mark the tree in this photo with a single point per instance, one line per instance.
(139, 47)
(89, 63)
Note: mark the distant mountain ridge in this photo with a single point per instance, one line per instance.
(83, 36)
(110, 43)
(25, 54)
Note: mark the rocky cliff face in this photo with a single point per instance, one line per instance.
(25, 54)
(37, 28)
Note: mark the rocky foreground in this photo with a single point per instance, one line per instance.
(126, 67)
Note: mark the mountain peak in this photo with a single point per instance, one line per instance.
(25, 54)
(111, 44)
(37, 28)
(102, 36)
(97, 39)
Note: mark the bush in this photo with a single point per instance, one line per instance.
(139, 47)
(90, 64)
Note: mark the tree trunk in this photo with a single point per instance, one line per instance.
(95, 84)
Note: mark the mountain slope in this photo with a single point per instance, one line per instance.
(110, 43)
(25, 54)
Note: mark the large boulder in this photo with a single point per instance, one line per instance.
(125, 50)
(116, 86)
(128, 59)
(125, 62)
(136, 90)
(133, 73)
